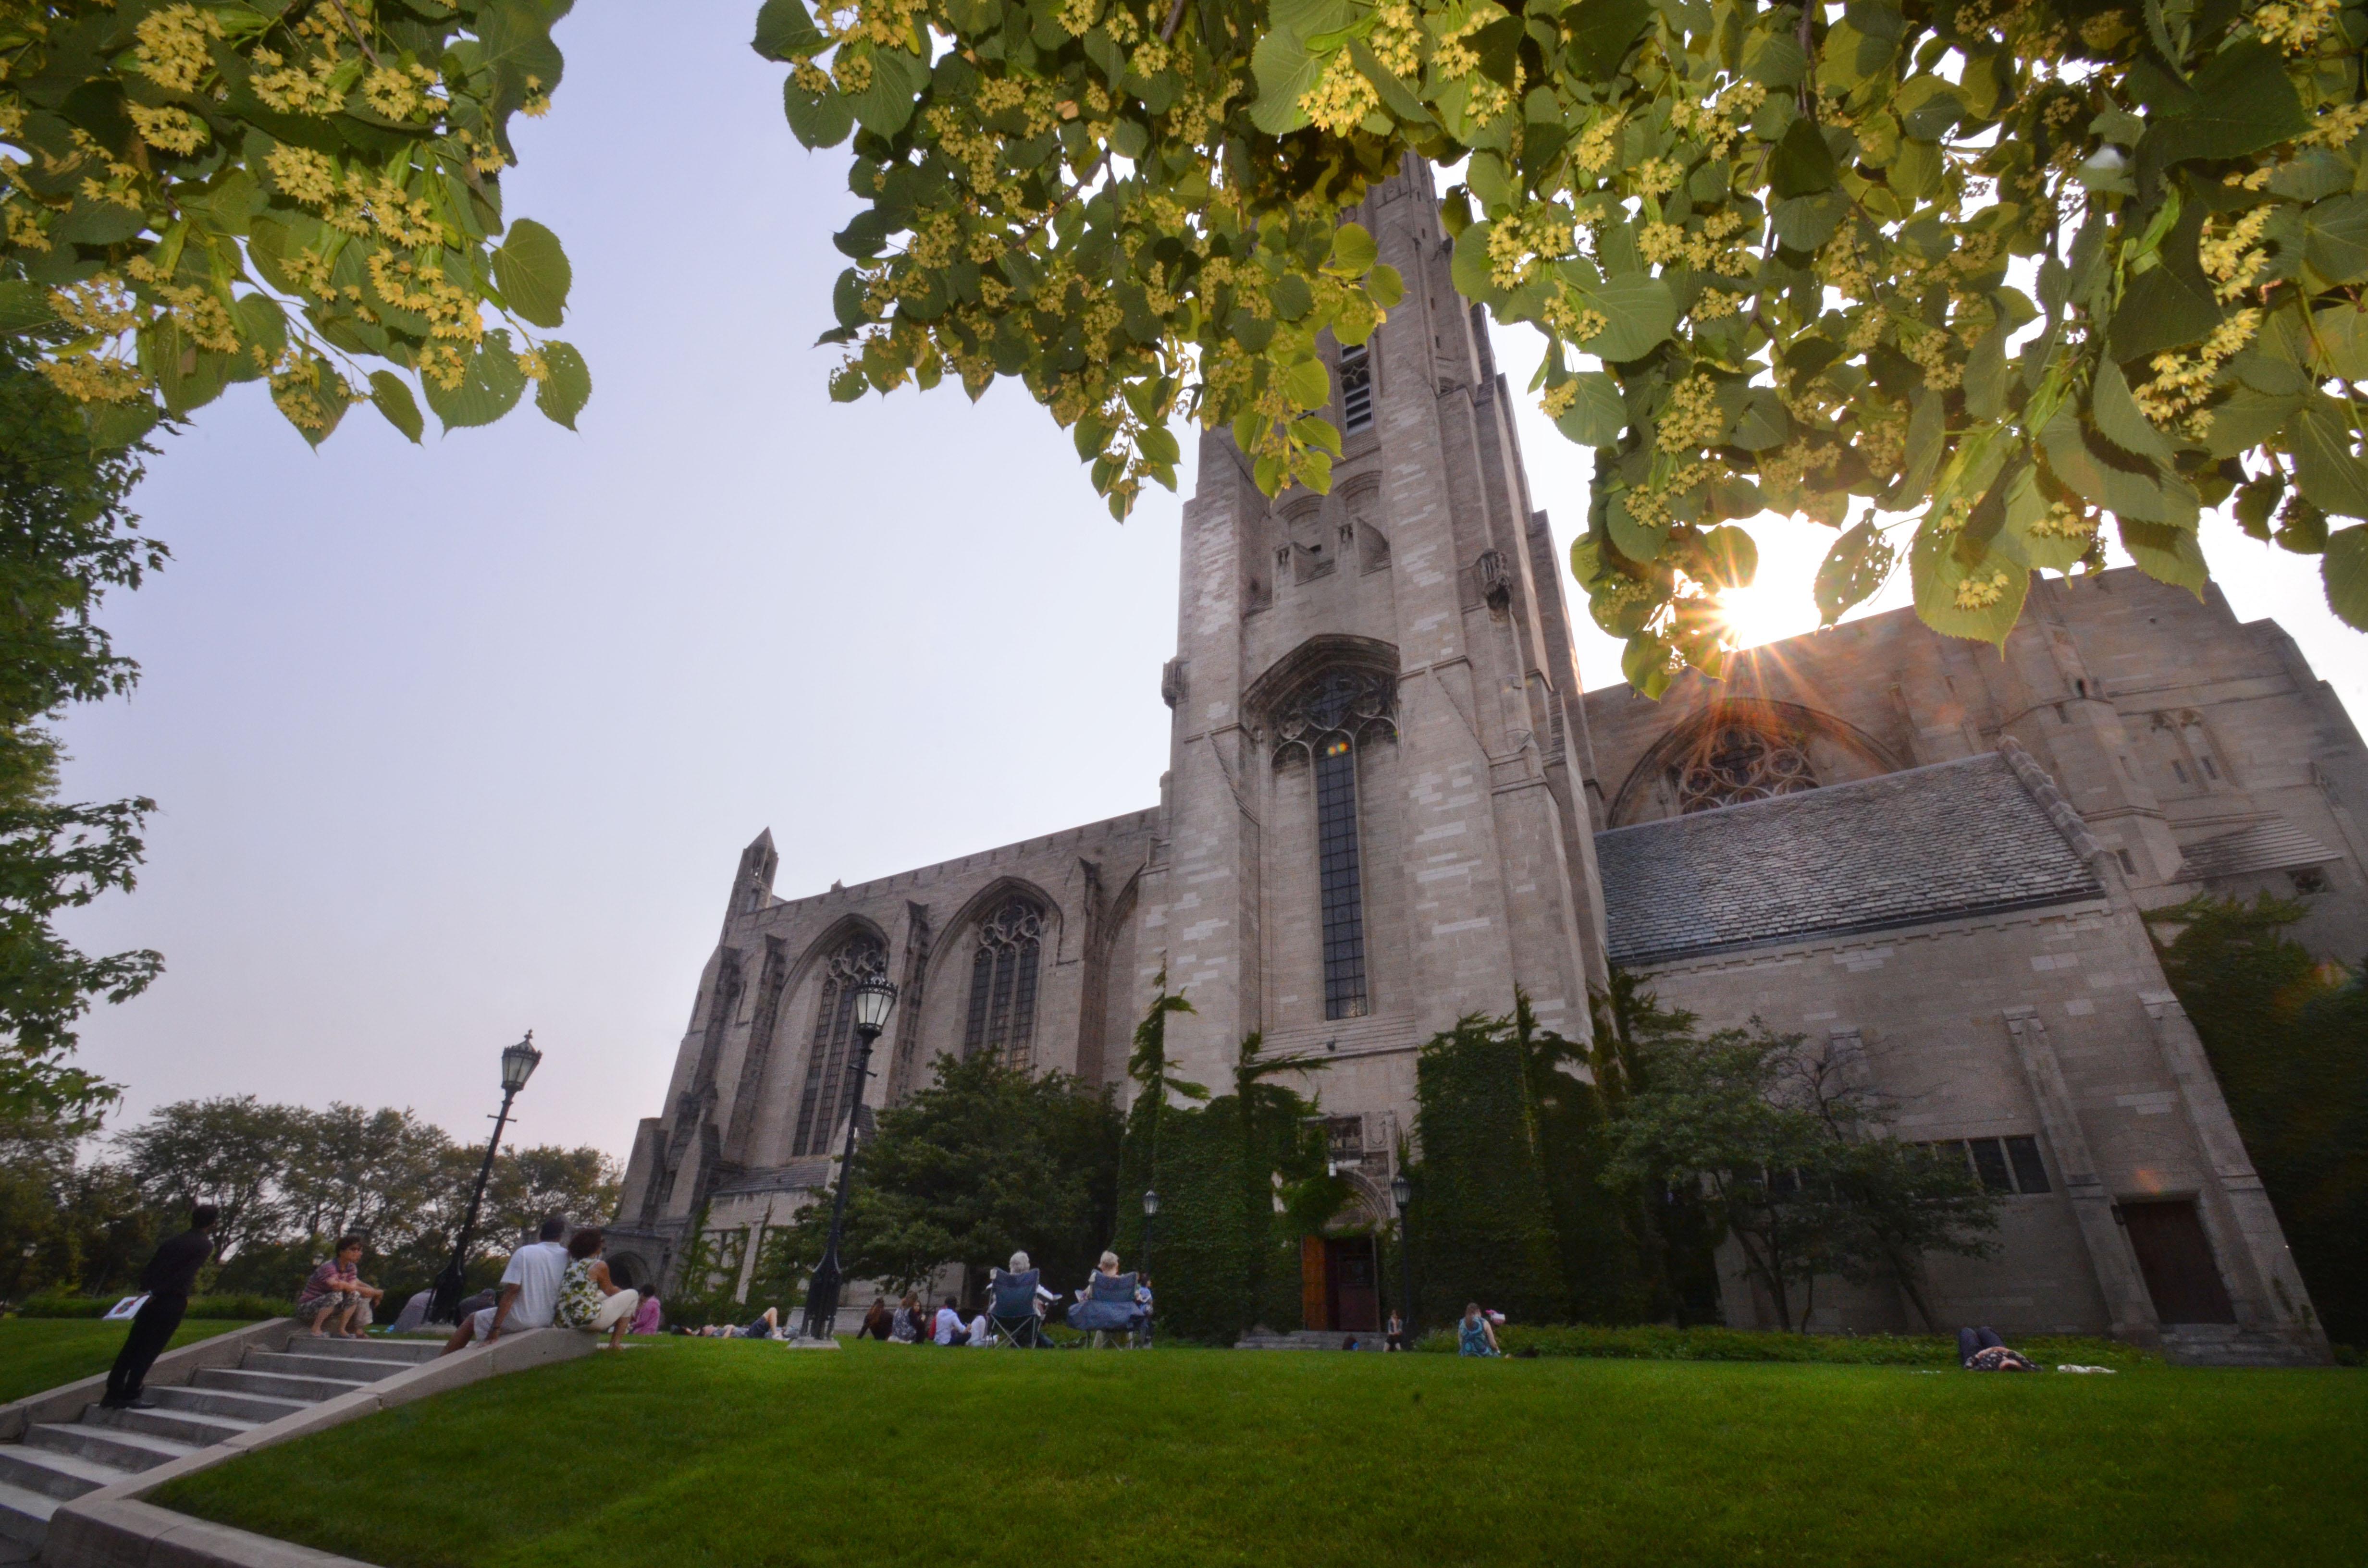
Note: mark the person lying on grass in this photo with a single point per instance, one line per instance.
(336, 1290)
(1476, 1335)
(588, 1298)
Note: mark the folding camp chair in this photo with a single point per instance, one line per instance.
(1109, 1307)
(1011, 1314)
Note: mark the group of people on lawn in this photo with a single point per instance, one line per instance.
(1022, 1320)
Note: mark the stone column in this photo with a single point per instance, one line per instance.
(2129, 1308)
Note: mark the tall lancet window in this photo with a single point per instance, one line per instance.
(830, 1089)
(1356, 388)
(1328, 719)
(1003, 982)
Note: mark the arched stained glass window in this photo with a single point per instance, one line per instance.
(1735, 763)
(828, 1088)
(1326, 719)
(1003, 982)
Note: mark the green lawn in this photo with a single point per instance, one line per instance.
(41, 1353)
(733, 1453)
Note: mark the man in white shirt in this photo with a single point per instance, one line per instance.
(531, 1286)
(950, 1330)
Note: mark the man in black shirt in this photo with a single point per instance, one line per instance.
(169, 1278)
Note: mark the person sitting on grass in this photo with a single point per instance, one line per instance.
(588, 1298)
(649, 1317)
(908, 1329)
(1475, 1335)
(982, 1333)
(336, 1290)
(950, 1330)
(529, 1297)
(878, 1321)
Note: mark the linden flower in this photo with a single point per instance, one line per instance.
(169, 128)
(307, 176)
(1980, 593)
(1691, 419)
(171, 46)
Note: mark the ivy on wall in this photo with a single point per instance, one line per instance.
(1483, 1227)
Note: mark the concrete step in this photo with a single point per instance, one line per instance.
(59, 1475)
(278, 1385)
(253, 1407)
(377, 1348)
(108, 1445)
(25, 1515)
(173, 1426)
(367, 1370)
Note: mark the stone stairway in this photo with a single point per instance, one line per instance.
(2227, 1344)
(57, 1460)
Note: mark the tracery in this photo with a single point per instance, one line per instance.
(1003, 982)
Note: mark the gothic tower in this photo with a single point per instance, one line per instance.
(1380, 803)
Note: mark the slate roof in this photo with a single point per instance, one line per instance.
(2271, 846)
(1903, 850)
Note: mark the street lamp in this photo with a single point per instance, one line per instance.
(1150, 1213)
(875, 998)
(518, 1062)
(1402, 1193)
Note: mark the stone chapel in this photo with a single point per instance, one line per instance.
(1390, 803)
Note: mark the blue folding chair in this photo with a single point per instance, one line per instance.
(1011, 1314)
(1109, 1307)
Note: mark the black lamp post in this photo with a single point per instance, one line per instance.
(875, 999)
(1150, 1213)
(518, 1062)
(1402, 1193)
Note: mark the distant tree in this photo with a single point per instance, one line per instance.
(1782, 1138)
(233, 1152)
(533, 1183)
(986, 1160)
(65, 538)
(64, 1225)
(2287, 1036)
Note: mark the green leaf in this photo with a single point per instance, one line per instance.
(1601, 33)
(2119, 421)
(1353, 251)
(1639, 313)
(2169, 305)
(1386, 285)
(1774, 60)
(532, 273)
(1763, 425)
(2339, 345)
(1292, 296)
(1927, 430)
(1307, 384)
(1806, 222)
(1636, 540)
(2140, 493)
(2344, 570)
(1396, 97)
(1803, 164)
(1986, 377)
(1646, 662)
(490, 388)
(2027, 509)
(818, 119)
(391, 394)
(2167, 554)
(1470, 271)
(114, 425)
(2335, 238)
(1598, 414)
(568, 386)
(2244, 102)
(1729, 558)
(1285, 71)
(885, 104)
(785, 32)
(24, 307)
(1858, 565)
(2330, 474)
(1978, 599)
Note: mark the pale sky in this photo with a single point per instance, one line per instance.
(455, 741)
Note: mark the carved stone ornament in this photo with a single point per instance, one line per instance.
(1357, 704)
(1738, 762)
(859, 958)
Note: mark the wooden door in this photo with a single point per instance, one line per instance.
(1356, 1286)
(2175, 1255)
(1315, 1294)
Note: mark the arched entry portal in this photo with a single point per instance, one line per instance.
(1340, 1269)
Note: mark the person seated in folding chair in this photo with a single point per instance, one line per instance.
(1014, 1312)
(1107, 1305)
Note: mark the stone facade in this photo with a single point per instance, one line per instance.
(1387, 802)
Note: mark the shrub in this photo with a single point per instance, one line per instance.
(1660, 1343)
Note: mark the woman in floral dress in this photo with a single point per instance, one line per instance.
(588, 1298)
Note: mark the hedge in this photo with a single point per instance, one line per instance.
(1481, 1225)
(250, 1309)
(1660, 1343)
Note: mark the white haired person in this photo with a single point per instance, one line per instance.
(588, 1298)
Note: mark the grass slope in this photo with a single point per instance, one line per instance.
(691, 1452)
(36, 1354)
